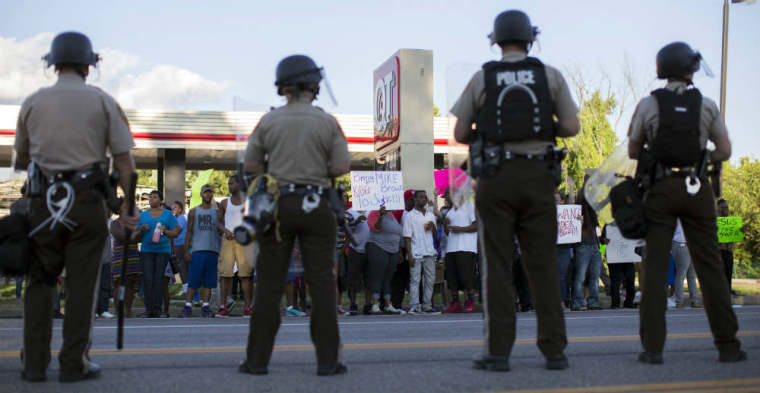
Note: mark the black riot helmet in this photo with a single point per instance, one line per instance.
(677, 60)
(513, 25)
(71, 48)
(295, 70)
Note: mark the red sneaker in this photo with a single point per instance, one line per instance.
(453, 308)
(469, 306)
(247, 312)
(222, 313)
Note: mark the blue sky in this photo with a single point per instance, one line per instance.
(230, 49)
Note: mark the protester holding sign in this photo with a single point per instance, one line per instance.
(564, 251)
(587, 258)
(620, 258)
(726, 242)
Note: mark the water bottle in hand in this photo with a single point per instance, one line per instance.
(157, 233)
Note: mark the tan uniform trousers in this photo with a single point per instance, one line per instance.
(79, 251)
(667, 201)
(316, 233)
(519, 200)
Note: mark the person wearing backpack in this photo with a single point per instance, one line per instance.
(514, 102)
(673, 124)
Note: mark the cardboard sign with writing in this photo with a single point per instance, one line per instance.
(569, 224)
(370, 190)
(620, 249)
(729, 229)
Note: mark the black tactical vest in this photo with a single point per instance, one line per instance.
(518, 103)
(677, 141)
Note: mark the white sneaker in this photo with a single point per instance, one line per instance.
(376, 309)
(105, 314)
(393, 310)
(671, 302)
(414, 310)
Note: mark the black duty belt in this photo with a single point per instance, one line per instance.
(302, 189)
(508, 155)
(679, 171)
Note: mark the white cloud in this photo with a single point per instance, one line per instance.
(21, 67)
(165, 87)
(128, 78)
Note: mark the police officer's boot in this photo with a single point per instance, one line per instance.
(338, 368)
(651, 357)
(558, 362)
(491, 363)
(93, 372)
(733, 357)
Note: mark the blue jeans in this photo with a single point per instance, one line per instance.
(563, 260)
(587, 257)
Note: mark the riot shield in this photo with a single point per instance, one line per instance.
(611, 173)
(456, 177)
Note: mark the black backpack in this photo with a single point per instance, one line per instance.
(628, 209)
(676, 143)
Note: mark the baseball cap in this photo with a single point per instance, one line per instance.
(207, 187)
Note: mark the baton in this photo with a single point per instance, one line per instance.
(122, 280)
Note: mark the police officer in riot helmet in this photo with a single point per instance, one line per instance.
(671, 127)
(301, 147)
(62, 135)
(513, 103)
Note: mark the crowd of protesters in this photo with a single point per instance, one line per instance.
(382, 258)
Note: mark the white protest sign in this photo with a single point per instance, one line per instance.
(620, 249)
(370, 190)
(569, 222)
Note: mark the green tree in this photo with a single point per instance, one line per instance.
(741, 188)
(218, 179)
(147, 177)
(596, 139)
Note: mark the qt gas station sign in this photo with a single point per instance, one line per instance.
(403, 116)
(386, 106)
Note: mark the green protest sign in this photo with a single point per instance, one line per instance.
(729, 229)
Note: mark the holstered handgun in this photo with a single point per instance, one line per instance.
(558, 155)
(476, 154)
(109, 191)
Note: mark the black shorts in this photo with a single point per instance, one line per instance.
(460, 270)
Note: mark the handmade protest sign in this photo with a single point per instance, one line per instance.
(620, 249)
(370, 190)
(569, 224)
(729, 229)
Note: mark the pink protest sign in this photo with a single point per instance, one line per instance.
(443, 178)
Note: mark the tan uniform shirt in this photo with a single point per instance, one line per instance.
(69, 126)
(299, 143)
(646, 118)
(474, 97)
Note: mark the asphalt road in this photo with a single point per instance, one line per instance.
(400, 354)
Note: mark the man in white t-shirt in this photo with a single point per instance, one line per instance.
(234, 254)
(419, 229)
(461, 254)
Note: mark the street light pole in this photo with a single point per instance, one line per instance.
(724, 61)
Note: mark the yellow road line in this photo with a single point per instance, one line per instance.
(390, 345)
(710, 386)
